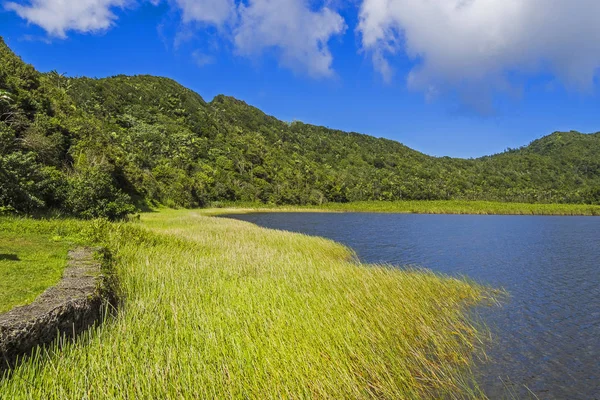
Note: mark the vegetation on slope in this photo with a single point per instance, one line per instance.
(217, 308)
(50, 154)
(101, 147)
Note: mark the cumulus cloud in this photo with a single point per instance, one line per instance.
(59, 16)
(299, 34)
(474, 45)
(214, 12)
(298, 30)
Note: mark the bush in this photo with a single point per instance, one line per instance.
(20, 182)
(593, 196)
(93, 194)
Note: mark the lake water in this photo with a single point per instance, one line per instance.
(546, 335)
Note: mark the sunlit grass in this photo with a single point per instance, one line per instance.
(436, 207)
(33, 256)
(217, 308)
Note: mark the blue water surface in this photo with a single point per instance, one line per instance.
(546, 335)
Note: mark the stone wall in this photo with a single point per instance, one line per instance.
(77, 302)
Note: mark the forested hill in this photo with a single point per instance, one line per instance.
(103, 147)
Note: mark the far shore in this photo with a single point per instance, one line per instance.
(415, 207)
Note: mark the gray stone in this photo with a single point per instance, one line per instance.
(77, 302)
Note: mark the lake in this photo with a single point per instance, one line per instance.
(546, 335)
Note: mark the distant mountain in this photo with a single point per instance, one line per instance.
(100, 147)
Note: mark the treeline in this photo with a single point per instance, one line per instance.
(106, 147)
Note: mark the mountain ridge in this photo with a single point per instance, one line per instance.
(102, 147)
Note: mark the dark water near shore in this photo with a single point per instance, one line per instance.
(546, 335)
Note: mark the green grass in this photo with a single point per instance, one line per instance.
(434, 207)
(217, 308)
(33, 256)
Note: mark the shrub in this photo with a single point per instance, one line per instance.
(20, 182)
(93, 194)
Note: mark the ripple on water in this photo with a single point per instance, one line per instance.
(547, 334)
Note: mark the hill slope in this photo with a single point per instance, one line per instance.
(95, 147)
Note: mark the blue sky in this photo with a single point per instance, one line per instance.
(460, 78)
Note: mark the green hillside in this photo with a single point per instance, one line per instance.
(103, 147)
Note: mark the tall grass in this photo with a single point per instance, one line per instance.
(217, 308)
(436, 207)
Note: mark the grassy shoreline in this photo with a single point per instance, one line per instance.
(426, 207)
(218, 308)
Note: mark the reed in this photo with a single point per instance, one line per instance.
(432, 207)
(217, 308)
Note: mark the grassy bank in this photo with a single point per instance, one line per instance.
(33, 255)
(217, 308)
(435, 207)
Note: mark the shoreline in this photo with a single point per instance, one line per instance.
(235, 305)
(449, 207)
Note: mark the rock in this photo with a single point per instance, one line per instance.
(67, 309)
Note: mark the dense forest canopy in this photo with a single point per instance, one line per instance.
(106, 147)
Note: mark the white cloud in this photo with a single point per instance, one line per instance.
(202, 59)
(465, 45)
(299, 34)
(215, 12)
(59, 16)
(472, 45)
(298, 30)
